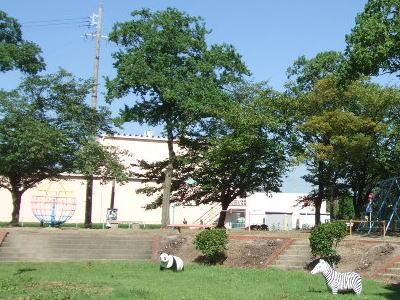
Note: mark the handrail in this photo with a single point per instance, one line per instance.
(207, 216)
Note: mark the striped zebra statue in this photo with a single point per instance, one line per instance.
(338, 281)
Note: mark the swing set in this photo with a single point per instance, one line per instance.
(383, 207)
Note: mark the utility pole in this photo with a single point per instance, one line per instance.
(99, 28)
(95, 20)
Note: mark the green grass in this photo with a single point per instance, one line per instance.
(126, 280)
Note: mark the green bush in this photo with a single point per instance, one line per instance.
(346, 208)
(212, 243)
(324, 239)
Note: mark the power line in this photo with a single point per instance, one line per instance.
(55, 20)
(58, 24)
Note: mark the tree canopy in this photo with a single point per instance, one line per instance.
(373, 46)
(15, 52)
(351, 141)
(164, 59)
(304, 73)
(237, 152)
(44, 123)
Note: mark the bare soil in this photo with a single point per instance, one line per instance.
(239, 253)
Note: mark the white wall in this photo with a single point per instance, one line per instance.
(130, 205)
(259, 203)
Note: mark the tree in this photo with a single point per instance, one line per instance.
(44, 123)
(367, 142)
(15, 52)
(310, 98)
(236, 152)
(355, 139)
(164, 59)
(104, 162)
(373, 46)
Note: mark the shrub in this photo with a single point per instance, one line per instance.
(212, 243)
(324, 239)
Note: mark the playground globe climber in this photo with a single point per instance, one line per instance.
(53, 205)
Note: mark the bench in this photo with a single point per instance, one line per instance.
(179, 226)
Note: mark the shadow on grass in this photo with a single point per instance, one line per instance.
(393, 292)
(20, 271)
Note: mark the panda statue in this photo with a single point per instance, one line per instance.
(170, 262)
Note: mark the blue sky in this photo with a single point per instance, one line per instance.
(269, 35)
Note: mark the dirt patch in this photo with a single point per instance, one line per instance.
(365, 257)
(239, 253)
(252, 253)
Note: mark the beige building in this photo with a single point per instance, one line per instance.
(66, 198)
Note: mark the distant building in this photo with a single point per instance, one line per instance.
(277, 210)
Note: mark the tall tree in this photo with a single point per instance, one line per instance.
(44, 123)
(356, 139)
(164, 59)
(368, 140)
(15, 52)
(373, 46)
(236, 151)
(312, 97)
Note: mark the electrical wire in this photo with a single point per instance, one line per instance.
(56, 20)
(57, 24)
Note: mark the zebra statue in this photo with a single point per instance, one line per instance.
(338, 281)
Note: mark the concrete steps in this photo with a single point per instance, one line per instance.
(392, 273)
(75, 246)
(295, 257)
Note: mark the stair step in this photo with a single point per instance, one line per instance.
(33, 259)
(297, 252)
(290, 263)
(282, 267)
(393, 270)
(76, 239)
(300, 246)
(73, 251)
(77, 255)
(53, 244)
(395, 276)
(300, 242)
(292, 258)
(57, 246)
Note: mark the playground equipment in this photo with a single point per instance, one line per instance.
(53, 204)
(383, 206)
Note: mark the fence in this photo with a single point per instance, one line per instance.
(350, 224)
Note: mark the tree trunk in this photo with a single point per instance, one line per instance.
(318, 212)
(222, 214)
(89, 201)
(354, 198)
(16, 200)
(320, 195)
(359, 205)
(112, 195)
(165, 220)
(166, 196)
(332, 208)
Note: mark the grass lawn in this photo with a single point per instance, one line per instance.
(128, 280)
